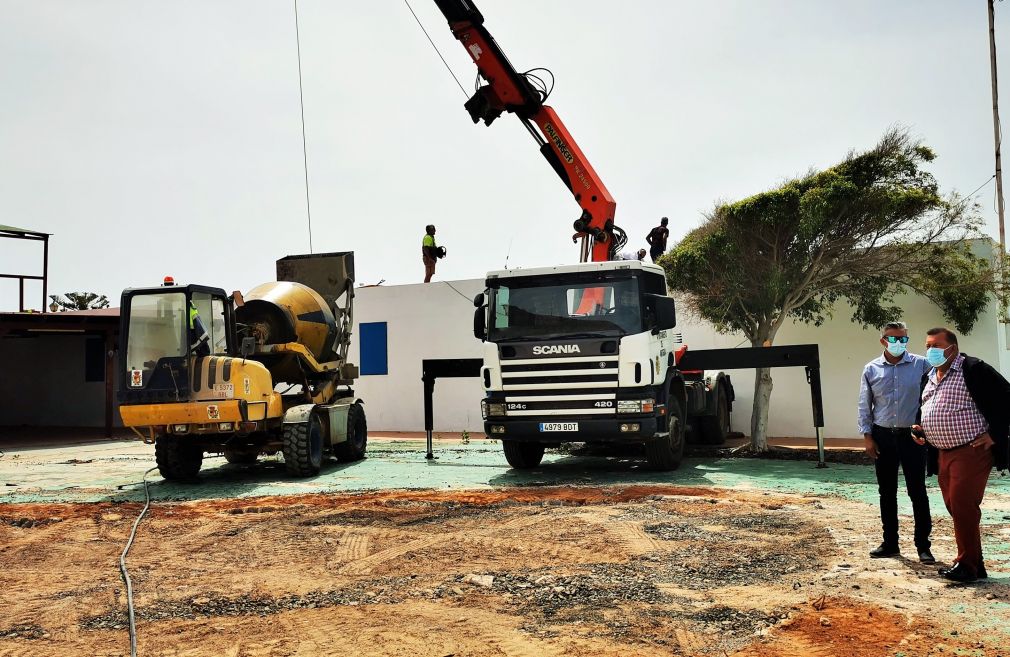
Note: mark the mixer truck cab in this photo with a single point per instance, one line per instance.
(586, 353)
(206, 372)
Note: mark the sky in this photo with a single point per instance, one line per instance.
(154, 138)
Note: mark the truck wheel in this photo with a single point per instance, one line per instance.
(715, 428)
(177, 459)
(353, 449)
(523, 455)
(241, 455)
(667, 452)
(302, 447)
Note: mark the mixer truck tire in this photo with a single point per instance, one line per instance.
(353, 449)
(177, 459)
(302, 446)
(523, 455)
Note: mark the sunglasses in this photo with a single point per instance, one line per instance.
(903, 339)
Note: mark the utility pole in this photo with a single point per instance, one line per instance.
(998, 137)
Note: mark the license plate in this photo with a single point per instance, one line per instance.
(559, 426)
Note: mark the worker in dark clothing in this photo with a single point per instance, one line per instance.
(429, 252)
(657, 239)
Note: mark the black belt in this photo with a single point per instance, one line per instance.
(893, 430)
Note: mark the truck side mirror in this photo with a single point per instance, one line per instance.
(478, 300)
(664, 311)
(480, 323)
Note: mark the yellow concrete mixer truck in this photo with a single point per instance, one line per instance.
(205, 372)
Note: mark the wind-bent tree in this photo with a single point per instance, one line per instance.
(871, 227)
(79, 301)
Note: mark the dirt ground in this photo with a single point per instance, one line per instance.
(640, 570)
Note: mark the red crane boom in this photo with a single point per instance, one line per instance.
(507, 90)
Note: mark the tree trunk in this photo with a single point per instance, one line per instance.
(762, 389)
(759, 414)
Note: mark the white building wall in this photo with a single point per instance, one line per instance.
(436, 321)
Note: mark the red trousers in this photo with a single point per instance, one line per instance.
(964, 472)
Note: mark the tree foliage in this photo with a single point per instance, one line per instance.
(79, 301)
(863, 231)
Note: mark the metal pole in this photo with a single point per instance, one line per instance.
(998, 137)
(429, 391)
(45, 272)
(817, 403)
(21, 294)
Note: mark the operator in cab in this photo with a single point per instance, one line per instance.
(199, 339)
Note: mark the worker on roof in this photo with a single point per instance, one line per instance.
(199, 339)
(657, 239)
(632, 256)
(429, 252)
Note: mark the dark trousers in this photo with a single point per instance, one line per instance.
(654, 253)
(964, 472)
(895, 447)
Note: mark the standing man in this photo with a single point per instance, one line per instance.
(429, 252)
(888, 404)
(964, 418)
(657, 239)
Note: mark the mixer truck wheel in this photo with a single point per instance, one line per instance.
(302, 447)
(353, 449)
(241, 455)
(177, 459)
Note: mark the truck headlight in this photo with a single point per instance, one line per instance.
(496, 409)
(636, 405)
(180, 428)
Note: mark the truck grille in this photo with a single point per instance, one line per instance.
(560, 386)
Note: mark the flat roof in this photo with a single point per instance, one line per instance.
(73, 321)
(20, 232)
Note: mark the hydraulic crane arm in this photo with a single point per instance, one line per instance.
(507, 90)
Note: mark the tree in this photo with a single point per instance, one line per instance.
(79, 301)
(862, 231)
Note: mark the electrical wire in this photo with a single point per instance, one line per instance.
(435, 47)
(979, 188)
(301, 102)
(122, 564)
(469, 300)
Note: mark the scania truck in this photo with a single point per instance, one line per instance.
(588, 353)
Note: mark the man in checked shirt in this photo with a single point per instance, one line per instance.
(965, 417)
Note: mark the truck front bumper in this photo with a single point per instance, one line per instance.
(593, 429)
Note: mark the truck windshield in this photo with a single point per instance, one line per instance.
(157, 325)
(565, 310)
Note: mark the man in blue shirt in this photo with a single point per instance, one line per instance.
(888, 403)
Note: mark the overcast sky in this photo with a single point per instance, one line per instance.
(155, 138)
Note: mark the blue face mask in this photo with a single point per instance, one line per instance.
(935, 356)
(895, 348)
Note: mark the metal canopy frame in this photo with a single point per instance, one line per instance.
(12, 232)
(796, 355)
